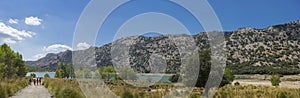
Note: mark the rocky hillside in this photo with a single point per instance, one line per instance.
(274, 47)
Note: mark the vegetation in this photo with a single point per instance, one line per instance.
(33, 75)
(127, 73)
(65, 71)
(83, 73)
(204, 70)
(8, 87)
(106, 72)
(63, 88)
(36, 69)
(11, 63)
(12, 72)
(46, 75)
(247, 68)
(174, 78)
(251, 91)
(228, 77)
(275, 79)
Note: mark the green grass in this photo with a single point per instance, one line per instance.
(8, 87)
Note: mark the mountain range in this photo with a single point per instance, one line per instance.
(276, 47)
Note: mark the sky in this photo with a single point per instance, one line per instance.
(37, 27)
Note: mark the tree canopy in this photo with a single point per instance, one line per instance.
(204, 66)
(65, 71)
(11, 63)
(106, 72)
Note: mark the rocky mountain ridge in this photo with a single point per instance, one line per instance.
(275, 46)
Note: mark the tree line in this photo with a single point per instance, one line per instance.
(11, 63)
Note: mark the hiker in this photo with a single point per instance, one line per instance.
(40, 81)
(34, 81)
(37, 81)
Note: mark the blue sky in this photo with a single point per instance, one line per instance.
(37, 27)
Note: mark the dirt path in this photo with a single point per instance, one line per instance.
(33, 92)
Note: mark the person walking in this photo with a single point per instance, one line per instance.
(37, 81)
(40, 81)
(34, 81)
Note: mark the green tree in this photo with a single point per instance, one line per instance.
(33, 75)
(79, 73)
(11, 63)
(68, 70)
(46, 75)
(106, 72)
(228, 77)
(87, 73)
(174, 78)
(275, 79)
(205, 67)
(63, 67)
(59, 73)
(127, 73)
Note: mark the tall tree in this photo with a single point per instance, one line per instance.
(204, 66)
(11, 63)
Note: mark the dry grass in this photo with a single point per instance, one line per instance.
(251, 91)
(8, 87)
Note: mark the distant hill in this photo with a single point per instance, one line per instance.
(249, 50)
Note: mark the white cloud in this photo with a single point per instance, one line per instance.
(56, 48)
(11, 35)
(82, 46)
(34, 21)
(13, 21)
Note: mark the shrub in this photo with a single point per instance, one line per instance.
(33, 75)
(46, 75)
(236, 83)
(69, 93)
(275, 79)
(174, 78)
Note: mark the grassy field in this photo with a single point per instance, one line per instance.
(251, 91)
(8, 87)
(63, 88)
(291, 81)
(59, 87)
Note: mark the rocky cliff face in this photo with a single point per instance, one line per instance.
(276, 46)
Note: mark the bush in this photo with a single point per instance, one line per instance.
(275, 79)
(33, 75)
(46, 75)
(69, 93)
(236, 83)
(174, 78)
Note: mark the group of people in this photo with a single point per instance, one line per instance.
(36, 81)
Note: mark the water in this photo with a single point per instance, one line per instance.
(41, 74)
(155, 78)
